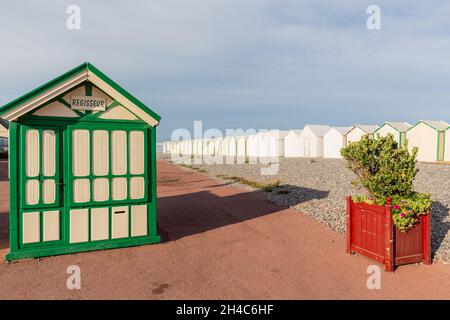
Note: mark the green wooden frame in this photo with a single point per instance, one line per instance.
(110, 176)
(90, 121)
(56, 177)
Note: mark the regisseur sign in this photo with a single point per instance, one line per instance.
(88, 103)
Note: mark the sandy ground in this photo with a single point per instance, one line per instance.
(219, 242)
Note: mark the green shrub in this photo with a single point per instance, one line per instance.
(387, 172)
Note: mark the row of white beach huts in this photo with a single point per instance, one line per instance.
(431, 137)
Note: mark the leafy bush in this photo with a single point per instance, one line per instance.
(387, 172)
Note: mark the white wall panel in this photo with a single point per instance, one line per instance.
(119, 152)
(101, 189)
(48, 191)
(32, 162)
(136, 152)
(99, 224)
(79, 225)
(119, 222)
(137, 187)
(32, 192)
(119, 187)
(100, 152)
(48, 153)
(80, 153)
(81, 190)
(139, 220)
(51, 225)
(31, 230)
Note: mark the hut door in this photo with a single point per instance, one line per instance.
(40, 167)
(306, 145)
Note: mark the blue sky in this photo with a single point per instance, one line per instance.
(243, 64)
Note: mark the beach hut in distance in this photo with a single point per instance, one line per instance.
(311, 140)
(292, 144)
(333, 141)
(358, 131)
(241, 148)
(397, 129)
(429, 137)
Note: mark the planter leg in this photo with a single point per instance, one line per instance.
(389, 266)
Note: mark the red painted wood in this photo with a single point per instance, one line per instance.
(371, 232)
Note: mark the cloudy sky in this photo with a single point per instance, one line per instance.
(243, 64)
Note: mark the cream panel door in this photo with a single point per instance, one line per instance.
(31, 227)
(136, 152)
(139, 220)
(79, 225)
(99, 224)
(119, 152)
(119, 222)
(51, 220)
(40, 171)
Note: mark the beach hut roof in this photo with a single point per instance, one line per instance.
(436, 124)
(367, 128)
(318, 130)
(342, 130)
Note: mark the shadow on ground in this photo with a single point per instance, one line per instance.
(188, 214)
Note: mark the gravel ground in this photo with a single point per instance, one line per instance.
(318, 188)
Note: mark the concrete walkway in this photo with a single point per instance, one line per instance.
(220, 242)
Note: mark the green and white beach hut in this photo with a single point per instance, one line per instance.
(82, 167)
(397, 129)
(429, 137)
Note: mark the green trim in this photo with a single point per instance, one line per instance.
(110, 176)
(122, 91)
(22, 169)
(14, 129)
(58, 80)
(46, 86)
(82, 247)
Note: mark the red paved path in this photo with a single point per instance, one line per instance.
(220, 242)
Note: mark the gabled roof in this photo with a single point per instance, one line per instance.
(341, 130)
(399, 126)
(318, 130)
(435, 124)
(365, 127)
(63, 83)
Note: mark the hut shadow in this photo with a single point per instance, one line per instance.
(439, 227)
(193, 213)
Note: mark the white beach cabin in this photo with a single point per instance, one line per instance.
(252, 146)
(292, 144)
(358, 131)
(333, 141)
(311, 140)
(397, 129)
(429, 137)
(241, 148)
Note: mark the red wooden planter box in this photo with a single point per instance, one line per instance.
(371, 232)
